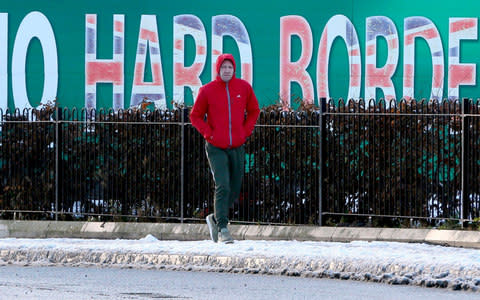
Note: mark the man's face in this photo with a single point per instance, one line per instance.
(226, 70)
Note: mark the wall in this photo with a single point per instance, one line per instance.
(94, 53)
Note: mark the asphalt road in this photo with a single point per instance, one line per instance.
(32, 282)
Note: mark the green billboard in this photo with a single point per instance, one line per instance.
(117, 54)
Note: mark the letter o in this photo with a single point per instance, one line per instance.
(35, 24)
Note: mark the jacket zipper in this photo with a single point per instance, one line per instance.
(229, 116)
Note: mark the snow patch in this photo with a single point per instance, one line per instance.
(387, 262)
(149, 238)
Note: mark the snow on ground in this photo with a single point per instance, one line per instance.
(389, 262)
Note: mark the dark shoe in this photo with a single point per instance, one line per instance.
(212, 227)
(225, 237)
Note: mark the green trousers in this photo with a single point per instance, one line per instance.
(227, 166)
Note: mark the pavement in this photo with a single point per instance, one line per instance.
(192, 232)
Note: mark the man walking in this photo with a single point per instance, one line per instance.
(231, 110)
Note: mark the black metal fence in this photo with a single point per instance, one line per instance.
(407, 160)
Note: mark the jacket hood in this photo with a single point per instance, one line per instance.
(221, 59)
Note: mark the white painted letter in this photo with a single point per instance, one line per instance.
(232, 26)
(35, 24)
(3, 61)
(458, 73)
(422, 27)
(148, 40)
(295, 71)
(339, 26)
(104, 70)
(188, 76)
(380, 77)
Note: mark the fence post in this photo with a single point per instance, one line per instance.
(183, 111)
(323, 108)
(464, 205)
(57, 156)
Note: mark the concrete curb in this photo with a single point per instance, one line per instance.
(189, 232)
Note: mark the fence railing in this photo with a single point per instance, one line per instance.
(340, 163)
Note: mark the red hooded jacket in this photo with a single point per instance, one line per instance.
(225, 104)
